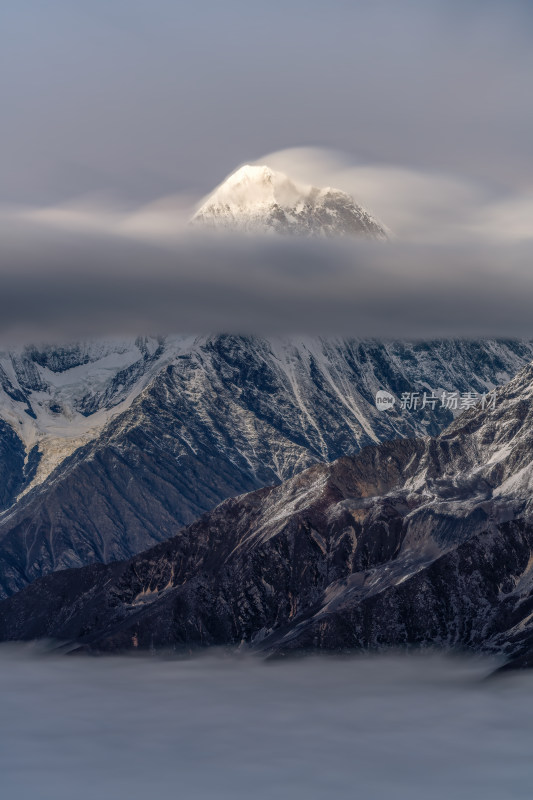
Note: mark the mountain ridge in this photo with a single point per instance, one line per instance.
(227, 415)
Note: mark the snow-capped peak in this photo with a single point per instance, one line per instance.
(260, 199)
(258, 186)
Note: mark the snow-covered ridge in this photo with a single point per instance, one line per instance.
(58, 398)
(260, 199)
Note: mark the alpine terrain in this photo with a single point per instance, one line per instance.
(107, 448)
(415, 542)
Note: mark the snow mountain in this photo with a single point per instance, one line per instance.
(191, 490)
(258, 199)
(107, 448)
(415, 542)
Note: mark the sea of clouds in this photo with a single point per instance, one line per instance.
(230, 727)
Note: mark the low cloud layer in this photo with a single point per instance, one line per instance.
(458, 264)
(232, 728)
(69, 281)
(415, 205)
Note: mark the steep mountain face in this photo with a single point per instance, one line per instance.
(261, 200)
(12, 461)
(412, 542)
(56, 398)
(222, 416)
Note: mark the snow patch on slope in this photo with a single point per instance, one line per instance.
(112, 375)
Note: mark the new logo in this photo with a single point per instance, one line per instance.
(384, 400)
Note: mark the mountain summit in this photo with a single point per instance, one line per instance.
(261, 200)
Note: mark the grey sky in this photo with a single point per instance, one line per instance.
(145, 98)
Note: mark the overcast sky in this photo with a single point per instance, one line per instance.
(145, 98)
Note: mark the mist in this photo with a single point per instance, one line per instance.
(229, 726)
(63, 284)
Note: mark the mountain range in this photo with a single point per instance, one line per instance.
(114, 446)
(415, 542)
(183, 491)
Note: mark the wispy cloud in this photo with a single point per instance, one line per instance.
(417, 205)
(161, 219)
